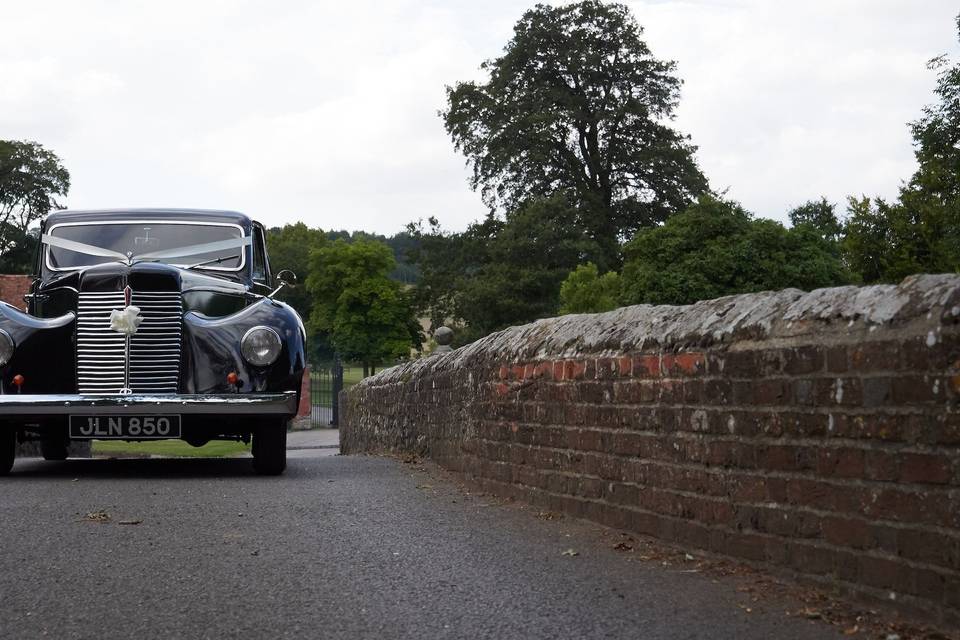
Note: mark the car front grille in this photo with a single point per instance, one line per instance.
(154, 349)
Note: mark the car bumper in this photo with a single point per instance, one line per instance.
(284, 403)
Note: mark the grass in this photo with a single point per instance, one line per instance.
(169, 448)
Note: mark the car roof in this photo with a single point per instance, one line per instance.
(202, 215)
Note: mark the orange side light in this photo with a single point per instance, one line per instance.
(232, 378)
(18, 380)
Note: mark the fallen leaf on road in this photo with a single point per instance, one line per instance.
(570, 552)
(623, 546)
(811, 614)
(97, 516)
(549, 515)
(130, 522)
(851, 631)
(424, 486)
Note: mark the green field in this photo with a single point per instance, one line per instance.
(169, 448)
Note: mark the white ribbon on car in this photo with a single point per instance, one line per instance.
(197, 249)
(180, 252)
(126, 321)
(80, 247)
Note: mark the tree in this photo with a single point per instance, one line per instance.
(886, 242)
(716, 248)
(500, 273)
(31, 179)
(821, 216)
(578, 104)
(586, 291)
(368, 317)
(882, 242)
(289, 247)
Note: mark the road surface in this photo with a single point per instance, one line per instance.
(339, 547)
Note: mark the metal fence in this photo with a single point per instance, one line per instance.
(326, 382)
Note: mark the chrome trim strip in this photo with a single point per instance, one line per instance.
(145, 404)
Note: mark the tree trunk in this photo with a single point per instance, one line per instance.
(366, 369)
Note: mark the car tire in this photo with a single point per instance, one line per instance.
(8, 449)
(53, 449)
(270, 449)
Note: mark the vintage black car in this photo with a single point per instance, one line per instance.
(149, 324)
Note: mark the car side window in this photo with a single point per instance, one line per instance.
(260, 272)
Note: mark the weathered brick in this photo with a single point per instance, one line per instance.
(804, 360)
(646, 366)
(925, 468)
(684, 364)
(837, 360)
(919, 389)
(841, 462)
(875, 356)
(847, 532)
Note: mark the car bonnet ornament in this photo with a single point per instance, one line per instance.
(128, 320)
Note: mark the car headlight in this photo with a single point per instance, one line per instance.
(6, 348)
(260, 346)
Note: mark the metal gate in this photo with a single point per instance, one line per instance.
(326, 382)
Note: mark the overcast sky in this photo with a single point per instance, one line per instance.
(326, 112)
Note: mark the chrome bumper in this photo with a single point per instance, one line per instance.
(107, 405)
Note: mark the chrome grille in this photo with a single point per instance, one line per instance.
(154, 349)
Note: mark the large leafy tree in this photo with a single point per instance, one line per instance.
(885, 242)
(577, 103)
(368, 317)
(716, 248)
(32, 179)
(820, 216)
(289, 247)
(586, 291)
(501, 272)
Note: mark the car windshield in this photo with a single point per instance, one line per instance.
(150, 240)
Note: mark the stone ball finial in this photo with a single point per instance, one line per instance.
(443, 336)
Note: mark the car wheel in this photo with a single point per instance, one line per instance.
(8, 449)
(53, 449)
(270, 448)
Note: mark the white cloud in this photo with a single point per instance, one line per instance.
(326, 111)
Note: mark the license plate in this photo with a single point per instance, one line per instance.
(125, 427)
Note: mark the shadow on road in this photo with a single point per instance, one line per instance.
(134, 468)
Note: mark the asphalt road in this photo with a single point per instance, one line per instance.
(339, 547)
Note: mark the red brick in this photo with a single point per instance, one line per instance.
(683, 364)
(574, 369)
(925, 468)
(837, 360)
(768, 392)
(847, 532)
(558, 370)
(646, 366)
(803, 360)
(543, 370)
(919, 389)
(606, 368)
(875, 356)
(625, 365)
(884, 573)
(841, 463)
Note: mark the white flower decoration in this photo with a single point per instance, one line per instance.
(126, 321)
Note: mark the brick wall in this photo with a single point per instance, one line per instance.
(813, 432)
(13, 288)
